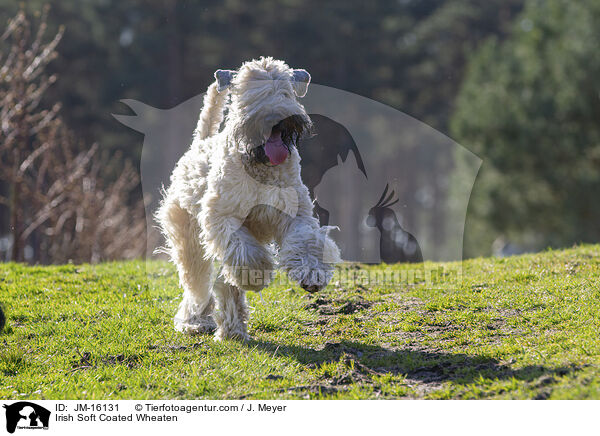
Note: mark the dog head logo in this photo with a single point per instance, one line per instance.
(26, 415)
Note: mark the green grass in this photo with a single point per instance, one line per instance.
(520, 327)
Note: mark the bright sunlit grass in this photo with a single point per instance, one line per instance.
(521, 327)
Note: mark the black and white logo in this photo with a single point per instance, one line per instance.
(26, 415)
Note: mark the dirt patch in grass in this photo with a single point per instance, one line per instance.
(176, 347)
(85, 360)
(119, 359)
(273, 377)
(326, 306)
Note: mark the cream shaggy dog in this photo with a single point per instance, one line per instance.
(235, 192)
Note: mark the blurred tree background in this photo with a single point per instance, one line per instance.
(530, 106)
(512, 80)
(59, 200)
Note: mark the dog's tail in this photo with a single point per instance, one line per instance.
(211, 115)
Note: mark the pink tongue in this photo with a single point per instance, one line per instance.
(275, 150)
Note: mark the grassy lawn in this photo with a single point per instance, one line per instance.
(521, 327)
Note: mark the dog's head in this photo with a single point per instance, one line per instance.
(264, 116)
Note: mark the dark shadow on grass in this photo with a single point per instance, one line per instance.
(419, 366)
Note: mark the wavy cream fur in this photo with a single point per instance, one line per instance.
(223, 206)
(211, 115)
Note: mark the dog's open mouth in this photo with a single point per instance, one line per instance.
(284, 135)
(275, 149)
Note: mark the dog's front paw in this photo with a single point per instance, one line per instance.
(192, 318)
(196, 326)
(308, 255)
(226, 333)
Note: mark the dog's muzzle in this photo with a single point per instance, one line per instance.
(284, 135)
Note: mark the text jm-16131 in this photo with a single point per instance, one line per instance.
(96, 407)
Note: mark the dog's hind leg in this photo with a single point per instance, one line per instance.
(231, 313)
(183, 241)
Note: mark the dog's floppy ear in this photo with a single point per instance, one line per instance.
(300, 81)
(224, 78)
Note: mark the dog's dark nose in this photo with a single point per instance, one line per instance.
(312, 289)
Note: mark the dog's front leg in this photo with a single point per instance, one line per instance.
(246, 264)
(307, 253)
